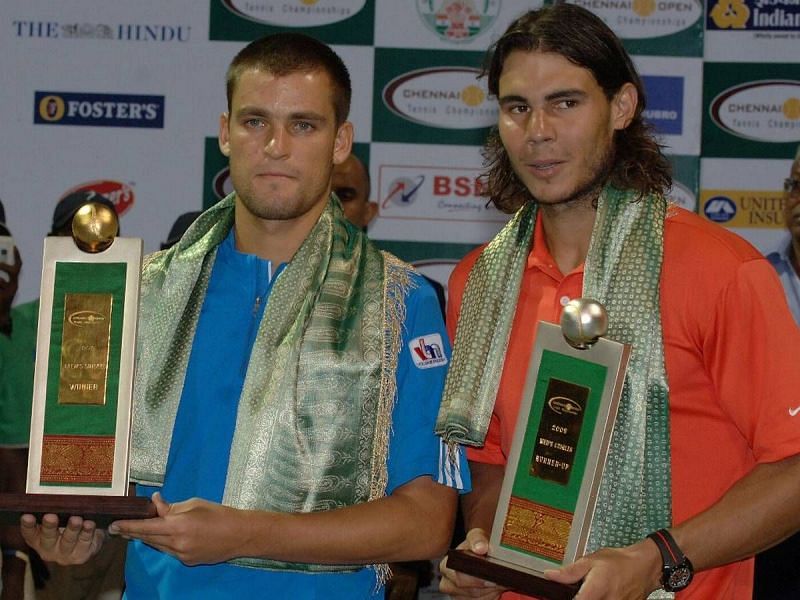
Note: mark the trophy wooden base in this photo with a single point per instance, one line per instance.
(100, 509)
(511, 576)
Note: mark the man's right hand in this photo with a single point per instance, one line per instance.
(74, 544)
(461, 585)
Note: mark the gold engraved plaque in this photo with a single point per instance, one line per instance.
(85, 349)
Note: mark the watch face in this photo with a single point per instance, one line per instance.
(678, 579)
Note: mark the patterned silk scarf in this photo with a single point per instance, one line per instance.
(622, 271)
(314, 415)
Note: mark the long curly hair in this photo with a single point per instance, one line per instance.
(585, 40)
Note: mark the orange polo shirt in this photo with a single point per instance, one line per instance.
(730, 349)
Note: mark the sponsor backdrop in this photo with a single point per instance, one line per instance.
(124, 98)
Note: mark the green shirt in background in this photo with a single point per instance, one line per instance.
(17, 358)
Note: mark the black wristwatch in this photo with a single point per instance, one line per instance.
(677, 571)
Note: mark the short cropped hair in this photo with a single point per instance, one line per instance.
(283, 54)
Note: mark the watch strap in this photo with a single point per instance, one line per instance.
(677, 569)
(670, 552)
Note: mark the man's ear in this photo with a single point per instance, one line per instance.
(224, 135)
(623, 106)
(343, 143)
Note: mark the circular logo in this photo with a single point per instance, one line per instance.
(720, 209)
(51, 108)
(730, 14)
(402, 191)
(472, 95)
(564, 406)
(765, 110)
(791, 108)
(646, 19)
(458, 20)
(295, 13)
(444, 97)
(83, 318)
(644, 8)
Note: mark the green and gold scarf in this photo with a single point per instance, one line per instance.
(622, 271)
(314, 415)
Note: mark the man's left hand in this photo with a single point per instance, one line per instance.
(195, 531)
(629, 573)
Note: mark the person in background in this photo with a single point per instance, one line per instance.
(703, 467)
(9, 280)
(13, 429)
(787, 260)
(288, 373)
(351, 184)
(776, 574)
(179, 227)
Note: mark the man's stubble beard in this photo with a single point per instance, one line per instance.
(587, 193)
(274, 208)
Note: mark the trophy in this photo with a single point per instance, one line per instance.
(83, 382)
(558, 452)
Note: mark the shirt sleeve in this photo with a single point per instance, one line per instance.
(751, 354)
(414, 449)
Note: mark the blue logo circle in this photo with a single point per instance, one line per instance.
(720, 209)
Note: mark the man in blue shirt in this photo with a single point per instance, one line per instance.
(289, 373)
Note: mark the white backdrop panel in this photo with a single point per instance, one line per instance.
(762, 180)
(411, 25)
(428, 194)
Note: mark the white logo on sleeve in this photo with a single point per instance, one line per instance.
(793, 411)
(428, 351)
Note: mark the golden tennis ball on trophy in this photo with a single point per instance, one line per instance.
(94, 227)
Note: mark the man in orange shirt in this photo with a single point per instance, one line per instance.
(704, 455)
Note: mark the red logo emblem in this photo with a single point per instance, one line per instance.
(120, 194)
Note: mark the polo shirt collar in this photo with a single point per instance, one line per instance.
(541, 259)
